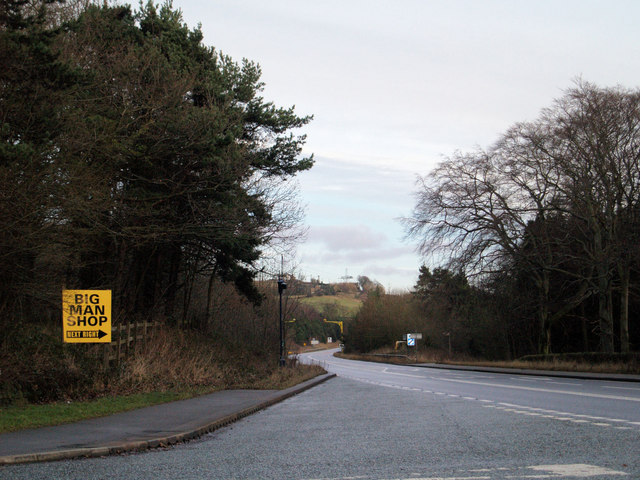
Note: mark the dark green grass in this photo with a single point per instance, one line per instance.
(14, 418)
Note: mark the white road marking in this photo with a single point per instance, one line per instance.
(368, 368)
(562, 416)
(635, 389)
(444, 478)
(518, 409)
(564, 383)
(531, 379)
(578, 470)
(404, 374)
(544, 390)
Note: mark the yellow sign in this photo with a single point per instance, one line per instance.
(86, 316)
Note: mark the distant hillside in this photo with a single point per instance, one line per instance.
(346, 304)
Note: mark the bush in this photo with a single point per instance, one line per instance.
(37, 367)
(585, 357)
(382, 320)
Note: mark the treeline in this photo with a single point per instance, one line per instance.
(547, 224)
(307, 323)
(136, 159)
(537, 238)
(451, 314)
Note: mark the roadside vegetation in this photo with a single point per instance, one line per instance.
(136, 159)
(46, 383)
(334, 305)
(617, 364)
(533, 244)
(19, 416)
(316, 309)
(541, 230)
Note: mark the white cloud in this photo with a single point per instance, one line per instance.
(394, 86)
(340, 238)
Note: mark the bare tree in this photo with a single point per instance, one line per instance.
(478, 209)
(577, 164)
(592, 139)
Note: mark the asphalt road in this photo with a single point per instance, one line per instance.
(617, 403)
(378, 421)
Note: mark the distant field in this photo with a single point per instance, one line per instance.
(348, 303)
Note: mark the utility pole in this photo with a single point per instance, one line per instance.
(281, 287)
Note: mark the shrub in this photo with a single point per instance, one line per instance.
(36, 366)
(585, 357)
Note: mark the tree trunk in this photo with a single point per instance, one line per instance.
(585, 329)
(208, 320)
(624, 309)
(172, 283)
(543, 315)
(604, 317)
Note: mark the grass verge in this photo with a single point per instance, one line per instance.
(558, 363)
(13, 418)
(45, 383)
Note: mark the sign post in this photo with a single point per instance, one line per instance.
(412, 341)
(86, 316)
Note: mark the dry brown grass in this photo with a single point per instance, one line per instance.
(41, 370)
(183, 360)
(172, 360)
(440, 357)
(284, 377)
(313, 348)
(559, 365)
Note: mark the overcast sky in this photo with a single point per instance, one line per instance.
(396, 85)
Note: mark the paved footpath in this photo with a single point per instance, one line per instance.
(149, 427)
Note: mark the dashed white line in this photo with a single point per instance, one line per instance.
(534, 471)
(563, 416)
(545, 390)
(635, 389)
(524, 410)
(564, 383)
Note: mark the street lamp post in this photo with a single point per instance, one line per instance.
(281, 287)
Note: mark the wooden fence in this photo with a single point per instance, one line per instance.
(126, 338)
